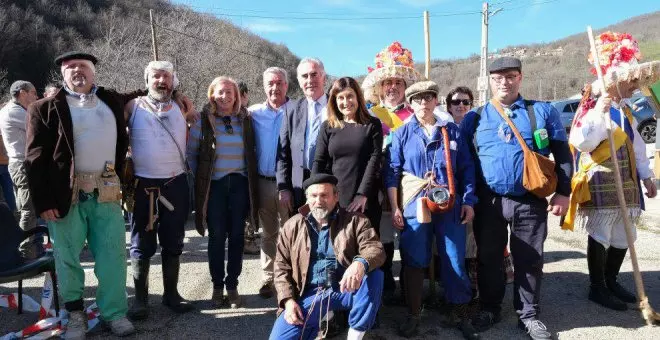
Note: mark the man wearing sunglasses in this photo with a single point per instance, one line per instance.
(503, 201)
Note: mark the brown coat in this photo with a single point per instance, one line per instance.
(351, 234)
(206, 164)
(50, 148)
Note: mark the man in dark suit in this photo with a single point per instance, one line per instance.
(300, 127)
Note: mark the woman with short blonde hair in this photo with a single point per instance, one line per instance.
(221, 154)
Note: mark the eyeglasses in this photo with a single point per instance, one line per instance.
(425, 96)
(228, 128)
(465, 102)
(509, 78)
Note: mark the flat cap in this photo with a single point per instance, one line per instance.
(19, 85)
(421, 87)
(75, 55)
(319, 179)
(505, 63)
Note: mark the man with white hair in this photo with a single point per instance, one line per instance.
(12, 129)
(267, 120)
(157, 131)
(75, 141)
(302, 121)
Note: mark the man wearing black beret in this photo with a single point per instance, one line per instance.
(503, 197)
(327, 258)
(75, 141)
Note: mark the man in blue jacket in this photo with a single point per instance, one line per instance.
(504, 202)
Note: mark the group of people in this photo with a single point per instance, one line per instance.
(316, 175)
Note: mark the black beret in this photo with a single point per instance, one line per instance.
(505, 63)
(319, 179)
(75, 55)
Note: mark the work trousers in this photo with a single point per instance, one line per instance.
(527, 217)
(102, 225)
(169, 227)
(415, 248)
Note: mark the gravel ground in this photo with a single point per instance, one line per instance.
(565, 308)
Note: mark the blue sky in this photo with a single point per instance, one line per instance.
(347, 47)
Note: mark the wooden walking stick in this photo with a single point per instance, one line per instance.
(649, 315)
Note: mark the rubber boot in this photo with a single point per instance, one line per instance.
(413, 293)
(140, 308)
(171, 297)
(598, 292)
(613, 263)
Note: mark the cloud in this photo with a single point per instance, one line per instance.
(268, 26)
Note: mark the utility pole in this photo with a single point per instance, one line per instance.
(427, 45)
(154, 44)
(541, 89)
(482, 83)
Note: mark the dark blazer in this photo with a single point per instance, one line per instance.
(290, 150)
(49, 155)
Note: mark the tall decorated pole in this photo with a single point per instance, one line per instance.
(647, 311)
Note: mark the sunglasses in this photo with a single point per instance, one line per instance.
(426, 96)
(228, 128)
(465, 102)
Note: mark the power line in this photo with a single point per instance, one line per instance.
(207, 41)
(533, 3)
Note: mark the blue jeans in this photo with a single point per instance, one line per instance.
(7, 187)
(363, 306)
(227, 209)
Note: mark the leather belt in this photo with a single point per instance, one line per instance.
(272, 179)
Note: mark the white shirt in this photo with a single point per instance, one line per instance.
(94, 134)
(155, 154)
(13, 118)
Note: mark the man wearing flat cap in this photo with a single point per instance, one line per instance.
(13, 117)
(327, 259)
(429, 160)
(75, 141)
(504, 201)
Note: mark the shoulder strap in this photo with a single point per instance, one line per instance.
(530, 112)
(532, 117)
(521, 140)
(183, 158)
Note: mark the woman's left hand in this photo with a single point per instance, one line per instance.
(359, 204)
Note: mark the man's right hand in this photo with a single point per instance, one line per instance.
(286, 200)
(397, 219)
(50, 215)
(292, 313)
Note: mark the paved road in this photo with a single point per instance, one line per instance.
(566, 310)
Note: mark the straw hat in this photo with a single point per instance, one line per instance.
(392, 62)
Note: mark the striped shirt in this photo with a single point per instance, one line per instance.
(229, 148)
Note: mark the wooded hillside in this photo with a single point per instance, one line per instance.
(201, 46)
(555, 70)
(33, 32)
